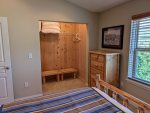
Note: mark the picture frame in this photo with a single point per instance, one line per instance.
(112, 37)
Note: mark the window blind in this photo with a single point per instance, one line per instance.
(139, 41)
(144, 33)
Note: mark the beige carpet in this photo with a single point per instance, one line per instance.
(54, 86)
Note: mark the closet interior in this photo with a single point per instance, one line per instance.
(63, 55)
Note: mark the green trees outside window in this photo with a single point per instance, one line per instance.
(143, 65)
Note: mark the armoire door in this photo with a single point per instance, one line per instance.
(6, 84)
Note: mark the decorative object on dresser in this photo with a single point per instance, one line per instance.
(112, 37)
(106, 64)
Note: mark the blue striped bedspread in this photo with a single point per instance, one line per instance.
(82, 100)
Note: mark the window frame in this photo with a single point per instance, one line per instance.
(134, 50)
(134, 67)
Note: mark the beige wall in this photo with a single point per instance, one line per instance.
(118, 16)
(23, 16)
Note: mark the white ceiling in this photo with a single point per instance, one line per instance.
(97, 5)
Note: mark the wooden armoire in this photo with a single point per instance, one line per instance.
(106, 64)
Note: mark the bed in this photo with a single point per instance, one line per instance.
(83, 100)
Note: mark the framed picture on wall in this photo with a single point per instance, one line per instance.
(112, 37)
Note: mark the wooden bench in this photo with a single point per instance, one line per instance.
(58, 73)
(51, 73)
(68, 70)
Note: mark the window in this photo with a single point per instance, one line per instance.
(139, 53)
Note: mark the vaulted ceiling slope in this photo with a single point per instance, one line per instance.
(97, 5)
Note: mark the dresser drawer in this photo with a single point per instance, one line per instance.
(97, 65)
(93, 76)
(97, 58)
(92, 82)
(93, 73)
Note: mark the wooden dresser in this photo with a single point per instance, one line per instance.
(106, 64)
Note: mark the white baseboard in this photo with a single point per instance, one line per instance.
(29, 97)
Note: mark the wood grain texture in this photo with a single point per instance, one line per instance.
(112, 69)
(49, 51)
(143, 15)
(106, 64)
(140, 103)
(67, 46)
(59, 51)
(81, 50)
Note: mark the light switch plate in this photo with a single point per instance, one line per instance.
(30, 56)
(26, 84)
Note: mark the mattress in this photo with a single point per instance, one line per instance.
(81, 100)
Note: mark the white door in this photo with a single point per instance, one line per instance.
(6, 84)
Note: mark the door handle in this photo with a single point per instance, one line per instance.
(6, 68)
